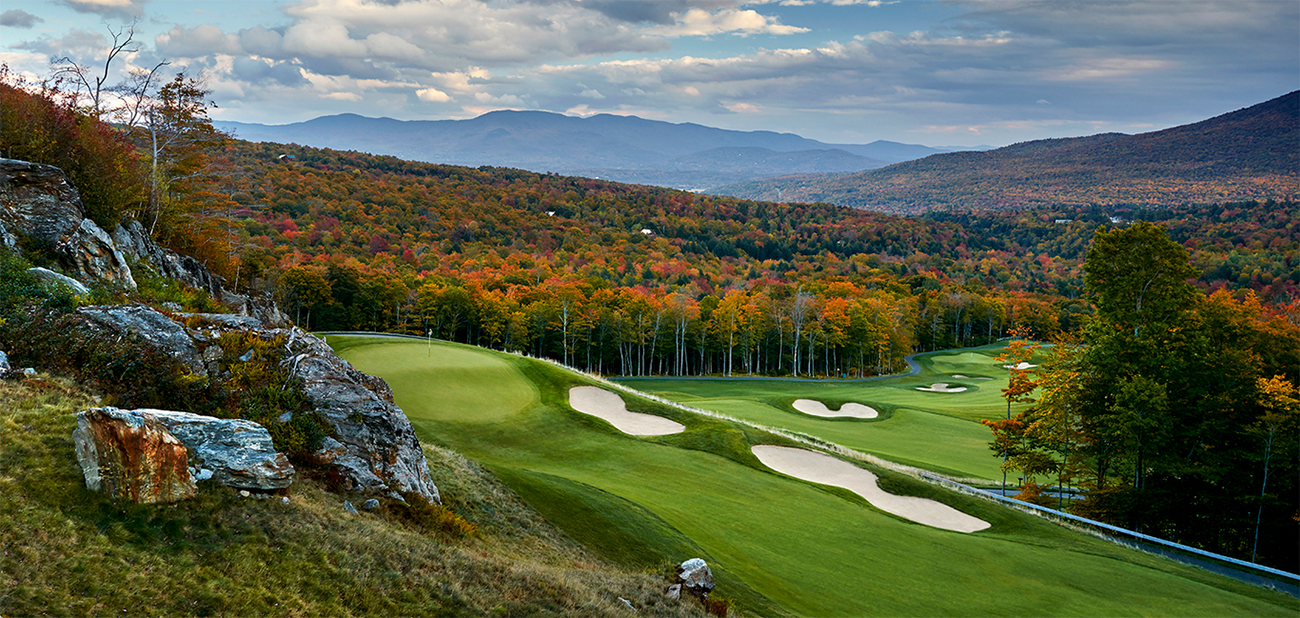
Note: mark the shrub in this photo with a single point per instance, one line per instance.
(423, 515)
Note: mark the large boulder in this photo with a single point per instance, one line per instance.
(39, 203)
(234, 452)
(375, 450)
(151, 326)
(60, 280)
(129, 456)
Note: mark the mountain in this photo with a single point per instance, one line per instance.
(622, 148)
(1253, 153)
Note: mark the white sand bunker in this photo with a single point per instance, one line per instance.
(819, 468)
(941, 387)
(817, 408)
(962, 377)
(1021, 366)
(603, 404)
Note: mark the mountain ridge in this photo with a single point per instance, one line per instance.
(1250, 153)
(621, 148)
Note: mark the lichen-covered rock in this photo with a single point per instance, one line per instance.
(234, 452)
(38, 202)
(695, 577)
(375, 449)
(45, 274)
(126, 455)
(155, 328)
(133, 240)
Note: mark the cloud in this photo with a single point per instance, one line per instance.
(197, 41)
(120, 9)
(698, 22)
(432, 95)
(16, 18)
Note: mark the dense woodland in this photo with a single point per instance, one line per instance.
(1183, 390)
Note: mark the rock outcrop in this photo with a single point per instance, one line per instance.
(234, 452)
(133, 241)
(151, 326)
(51, 277)
(695, 577)
(376, 450)
(126, 455)
(39, 203)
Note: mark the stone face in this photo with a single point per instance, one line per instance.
(375, 448)
(133, 240)
(38, 201)
(155, 328)
(695, 577)
(234, 452)
(128, 456)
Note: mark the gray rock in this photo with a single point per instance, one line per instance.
(39, 202)
(695, 577)
(246, 356)
(674, 592)
(376, 450)
(29, 371)
(347, 506)
(126, 455)
(370, 504)
(627, 603)
(171, 306)
(155, 328)
(133, 240)
(4, 363)
(238, 452)
(227, 320)
(45, 274)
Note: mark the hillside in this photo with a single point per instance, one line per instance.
(621, 148)
(1247, 154)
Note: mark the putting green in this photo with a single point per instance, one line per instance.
(776, 544)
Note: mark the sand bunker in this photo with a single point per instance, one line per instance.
(962, 377)
(817, 408)
(603, 404)
(1022, 366)
(826, 470)
(941, 387)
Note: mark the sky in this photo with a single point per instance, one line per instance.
(933, 72)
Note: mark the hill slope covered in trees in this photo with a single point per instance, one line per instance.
(1247, 154)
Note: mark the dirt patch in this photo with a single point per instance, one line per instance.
(821, 468)
(609, 406)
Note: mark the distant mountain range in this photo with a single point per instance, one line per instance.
(1253, 153)
(619, 148)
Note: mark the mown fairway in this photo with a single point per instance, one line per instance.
(935, 431)
(776, 544)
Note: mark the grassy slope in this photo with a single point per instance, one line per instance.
(67, 551)
(935, 431)
(773, 541)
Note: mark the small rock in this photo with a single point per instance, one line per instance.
(674, 591)
(284, 500)
(347, 506)
(173, 307)
(627, 603)
(29, 371)
(246, 356)
(695, 576)
(244, 493)
(370, 504)
(4, 362)
(284, 418)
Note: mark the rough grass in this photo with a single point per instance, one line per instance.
(777, 544)
(66, 551)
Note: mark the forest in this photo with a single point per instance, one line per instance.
(1176, 327)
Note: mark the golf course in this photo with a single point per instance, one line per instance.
(861, 541)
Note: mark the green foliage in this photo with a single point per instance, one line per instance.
(155, 289)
